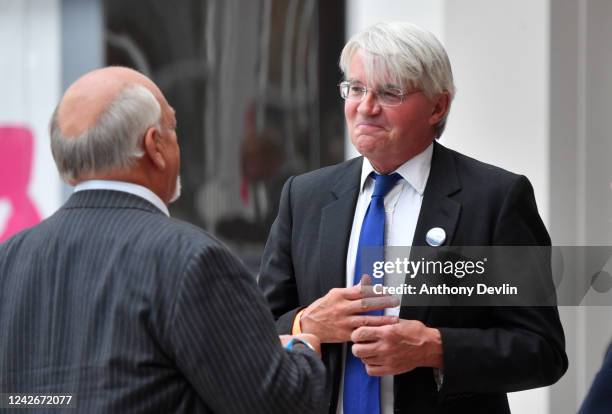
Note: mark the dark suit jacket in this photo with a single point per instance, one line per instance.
(487, 352)
(599, 398)
(134, 312)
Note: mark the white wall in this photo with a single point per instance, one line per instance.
(30, 84)
(500, 57)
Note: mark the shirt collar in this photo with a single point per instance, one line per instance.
(415, 171)
(131, 188)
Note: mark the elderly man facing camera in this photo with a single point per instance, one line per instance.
(130, 311)
(405, 190)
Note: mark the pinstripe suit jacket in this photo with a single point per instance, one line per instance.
(134, 312)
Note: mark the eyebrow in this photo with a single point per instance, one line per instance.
(387, 85)
(391, 86)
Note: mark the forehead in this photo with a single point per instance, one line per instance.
(374, 71)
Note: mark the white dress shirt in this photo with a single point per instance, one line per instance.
(135, 189)
(402, 208)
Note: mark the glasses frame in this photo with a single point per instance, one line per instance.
(402, 94)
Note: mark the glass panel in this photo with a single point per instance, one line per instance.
(254, 87)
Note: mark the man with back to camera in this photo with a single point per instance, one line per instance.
(406, 190)
(125, 308)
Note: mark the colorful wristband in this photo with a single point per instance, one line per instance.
(297, 342)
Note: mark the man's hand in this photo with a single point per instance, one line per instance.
(311, 339)
(334, 316)
(395, 349)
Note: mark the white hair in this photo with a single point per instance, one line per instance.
(114, 142)
(402, 54)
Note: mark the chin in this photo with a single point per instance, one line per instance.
(367, 148)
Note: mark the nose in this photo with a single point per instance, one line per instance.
(369, 104)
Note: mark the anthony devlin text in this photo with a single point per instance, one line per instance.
(444, 289)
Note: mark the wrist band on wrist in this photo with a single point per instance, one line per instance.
(297, 325)
(297, 341)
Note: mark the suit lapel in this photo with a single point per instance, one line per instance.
(437, 210)
(335, 227)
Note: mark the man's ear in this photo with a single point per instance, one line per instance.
(440, 108)
(153, 146)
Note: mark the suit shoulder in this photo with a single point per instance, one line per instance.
(129, 226)
(327, 175)
(474, 172)
(188, 235)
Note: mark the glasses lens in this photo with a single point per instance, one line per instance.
(344, 89)
(390, 96)
(356, 91)
(352, 91)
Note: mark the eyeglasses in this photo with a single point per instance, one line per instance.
(356, 91)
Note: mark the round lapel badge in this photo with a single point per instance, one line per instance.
(435, 237)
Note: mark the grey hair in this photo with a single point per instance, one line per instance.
(402, 54)
(114, 142)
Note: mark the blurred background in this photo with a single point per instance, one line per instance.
(254, 86)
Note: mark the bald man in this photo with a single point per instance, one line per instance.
(113, 307)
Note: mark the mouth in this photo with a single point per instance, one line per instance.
(369, 127)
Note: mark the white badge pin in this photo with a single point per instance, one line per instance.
(435, 237)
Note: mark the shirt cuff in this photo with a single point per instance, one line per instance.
(297, 327)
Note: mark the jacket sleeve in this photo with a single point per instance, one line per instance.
(520, 347)
(599, 398)
(277, 278)
(224, 341)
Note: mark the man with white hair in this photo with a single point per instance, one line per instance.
(120, 309)
(405, 190)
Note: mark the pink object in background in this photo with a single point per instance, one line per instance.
(16, 153)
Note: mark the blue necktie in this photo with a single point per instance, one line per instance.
(362, 392)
